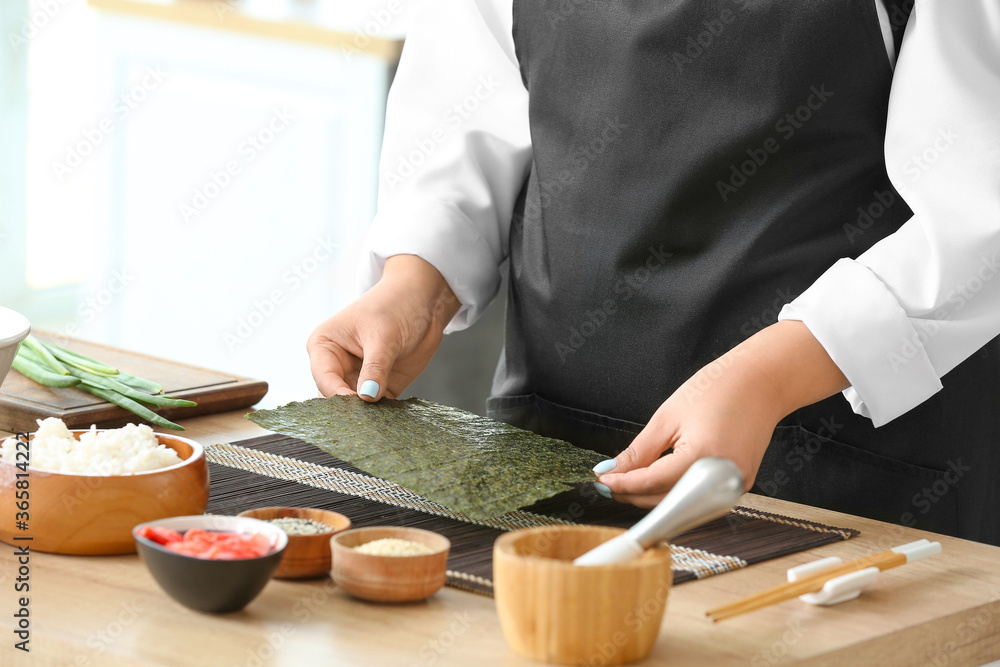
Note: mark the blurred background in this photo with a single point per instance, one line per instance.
(191, 179)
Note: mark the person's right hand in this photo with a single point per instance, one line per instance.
(380, 343)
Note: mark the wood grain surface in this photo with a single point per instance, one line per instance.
(22, 401)
(553, 611)
(108, 611)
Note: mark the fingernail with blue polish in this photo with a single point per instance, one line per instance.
(605, 466)
(603, 490)
(369, 388)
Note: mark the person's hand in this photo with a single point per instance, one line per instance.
(729, 409)
(712, 414)
(380, 343)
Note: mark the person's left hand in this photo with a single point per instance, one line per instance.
(728, 409)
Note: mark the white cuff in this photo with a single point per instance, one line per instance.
(868, 335)
(442, 235)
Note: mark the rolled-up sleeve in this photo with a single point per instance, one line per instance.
(925, 298)
(456, 150)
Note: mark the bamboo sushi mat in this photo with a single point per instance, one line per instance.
(277, 470)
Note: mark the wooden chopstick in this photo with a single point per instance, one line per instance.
(883, 560)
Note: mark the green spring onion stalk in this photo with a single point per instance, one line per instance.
(103, 382)
(25, 353)
(42, 375)
(139, 383)
(40, 362)
(131, 406)
(46, 356)
(80, 361)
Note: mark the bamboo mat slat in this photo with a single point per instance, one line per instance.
(279, 470)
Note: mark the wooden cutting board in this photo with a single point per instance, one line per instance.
(22, 401)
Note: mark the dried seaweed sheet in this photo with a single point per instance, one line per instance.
(471, 464)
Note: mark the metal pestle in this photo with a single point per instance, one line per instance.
(708, 490)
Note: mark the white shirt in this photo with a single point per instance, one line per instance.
(895, 320)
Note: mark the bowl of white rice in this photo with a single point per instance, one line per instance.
(87, 489)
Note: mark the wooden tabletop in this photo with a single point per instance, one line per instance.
(108, 611)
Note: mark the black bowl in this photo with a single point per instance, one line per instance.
(217, 586)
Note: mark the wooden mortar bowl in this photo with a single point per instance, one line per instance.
(306, 556)
(92, 515)
(553, 611)
(389, 578)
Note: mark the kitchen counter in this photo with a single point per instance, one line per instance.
(102, 611)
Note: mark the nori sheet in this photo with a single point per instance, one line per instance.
(473, 465)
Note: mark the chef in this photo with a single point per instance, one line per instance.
(716, 218)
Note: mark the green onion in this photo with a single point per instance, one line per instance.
(88, 369)
(103, 382)
(43, 363)
(40, 374)
(30, 356)
(80, 361)
(139, 383)
(38, 348)
(168, 402)
(131, 406)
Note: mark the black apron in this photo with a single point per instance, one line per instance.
(698, 164)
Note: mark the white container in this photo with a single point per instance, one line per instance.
(14, 327)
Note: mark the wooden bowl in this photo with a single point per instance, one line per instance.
(93, 514)
(553, 611)
(389, 578)
(306, 556)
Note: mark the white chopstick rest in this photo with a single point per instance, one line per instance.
(849, 586)
(917, 550)
(837, 590)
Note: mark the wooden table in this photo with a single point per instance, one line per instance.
(104, 611)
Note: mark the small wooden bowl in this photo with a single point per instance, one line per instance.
(389, 578)
(553, 611)
(94, 515)
(306, 556)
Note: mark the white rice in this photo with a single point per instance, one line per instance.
(119, 451)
